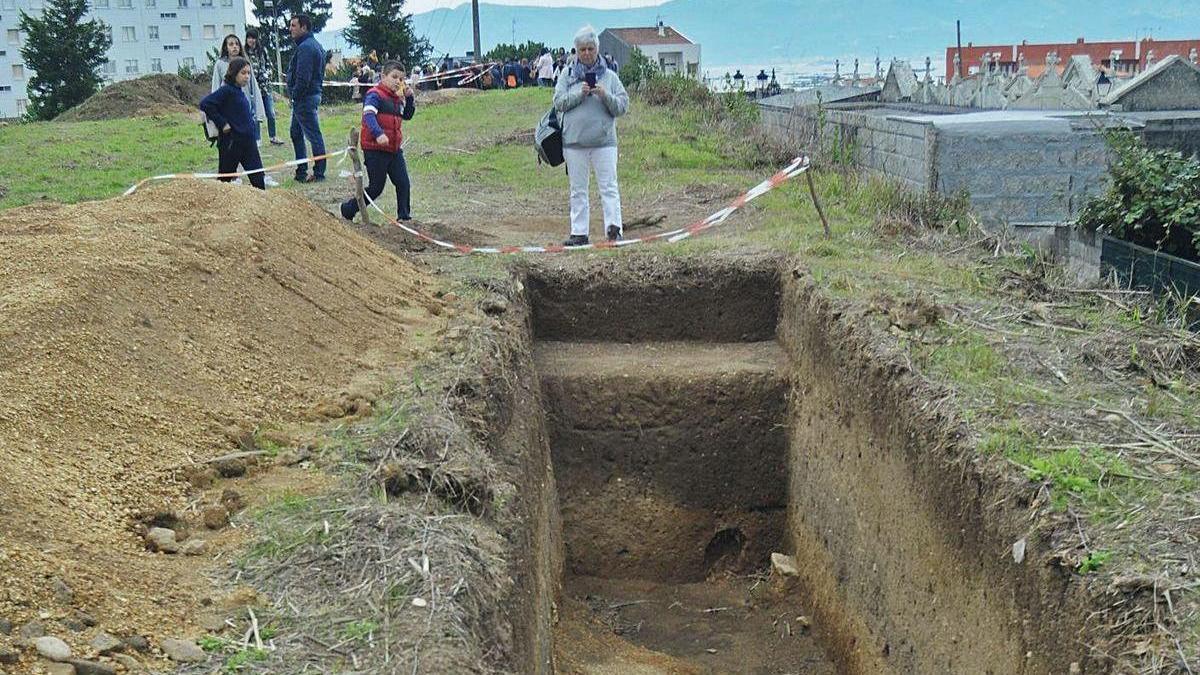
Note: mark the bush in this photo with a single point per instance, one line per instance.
(638, 71)
(1154, 199)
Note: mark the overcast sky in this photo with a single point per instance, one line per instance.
(341, 18)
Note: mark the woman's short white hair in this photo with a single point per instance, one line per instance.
(586, 36)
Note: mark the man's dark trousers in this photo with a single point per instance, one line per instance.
(305, 125)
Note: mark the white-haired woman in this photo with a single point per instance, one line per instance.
(591, 97)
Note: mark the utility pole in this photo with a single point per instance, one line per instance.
(958, 30)
(275, 38)
(475, 24)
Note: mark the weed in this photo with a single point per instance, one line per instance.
(212, 643)
(1094, 561)
(360, 630)
(968, 359)
(243, 658)
(1082, 474)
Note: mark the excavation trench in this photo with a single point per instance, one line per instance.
(699, 415)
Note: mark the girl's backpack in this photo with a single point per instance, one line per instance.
(547, 139)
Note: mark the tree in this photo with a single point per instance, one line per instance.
(502, 52)
(65, 53)
(382, 27)
(273, 24)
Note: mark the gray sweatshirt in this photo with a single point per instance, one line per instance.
(251, 90)
(588, 121)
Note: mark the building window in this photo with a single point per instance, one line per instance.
(185, 32)
(230, 29)
(152, 32)
(14, 36)
(183, 4)
(8, 4)
(156, 65)
(206, 3)
(101, 4)
(131, 66)
(22, 106)
(152, 3)
(188, 62)
(170, 48)
(209, 32)
(5, 87)
(227, 3)
(128, 34)
(18, 71)
(125, 4)
(110, 68)
(167, 15)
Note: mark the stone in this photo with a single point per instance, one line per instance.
(183, 651)
(79, 621)
(231, 468)
(105, 644)
(127, 662)
(62, 592)
(130, 664)
(293, 457)
(60, 669)
(162, 540)
(784, 565)
(9, 656)
(52, 648)
(194, 547)
(92, 668)
(137, 643)
(5, 627)
(31, 630)
(216, 517)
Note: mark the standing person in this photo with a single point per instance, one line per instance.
(591, 97)
(260, 63)
(384, 108)
(544, 66)
(305, 74)
(231, 48)
(228, 108)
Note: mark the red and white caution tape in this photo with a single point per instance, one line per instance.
(797, 167)
(266, 169)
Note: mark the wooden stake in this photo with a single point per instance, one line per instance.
(358, 181)
(812, 190)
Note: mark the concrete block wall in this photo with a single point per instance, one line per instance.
(1037, 176)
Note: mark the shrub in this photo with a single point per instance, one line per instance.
(1154, 198)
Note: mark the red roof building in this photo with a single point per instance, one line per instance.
(1130, 60)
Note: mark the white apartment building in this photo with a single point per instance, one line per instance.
(148, 36)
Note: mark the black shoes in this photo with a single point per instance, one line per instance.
(613, 233)
(577, 240)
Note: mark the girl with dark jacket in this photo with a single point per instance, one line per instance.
(228, 109)
(384, 108)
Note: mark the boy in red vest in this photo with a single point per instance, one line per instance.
(384, 106)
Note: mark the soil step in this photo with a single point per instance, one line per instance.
(670, 457)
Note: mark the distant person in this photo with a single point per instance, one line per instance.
(611, 63)
(228, 108)
(305, 74)
(384, 108)
(544, 67)
(511, 78)
(591, 97)
(260, 63)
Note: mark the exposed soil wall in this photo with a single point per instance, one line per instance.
(903, 536)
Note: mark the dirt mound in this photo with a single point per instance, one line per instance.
(147, 95)
(142, 334)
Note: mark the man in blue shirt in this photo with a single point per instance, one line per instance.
(306, 71)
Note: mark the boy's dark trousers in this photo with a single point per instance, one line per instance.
(233, 149)
(382, 165)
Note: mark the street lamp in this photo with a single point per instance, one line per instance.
(1104, 85)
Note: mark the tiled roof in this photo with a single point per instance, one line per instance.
(649, 36)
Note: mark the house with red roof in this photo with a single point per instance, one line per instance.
(665, 46)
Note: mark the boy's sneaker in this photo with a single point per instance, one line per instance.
(577, 240)
(613, 233)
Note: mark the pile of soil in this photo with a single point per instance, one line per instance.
(146, 333)
(149, 95)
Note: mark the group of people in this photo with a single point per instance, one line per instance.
(588, 95)
(241, 101)
(542, 71)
